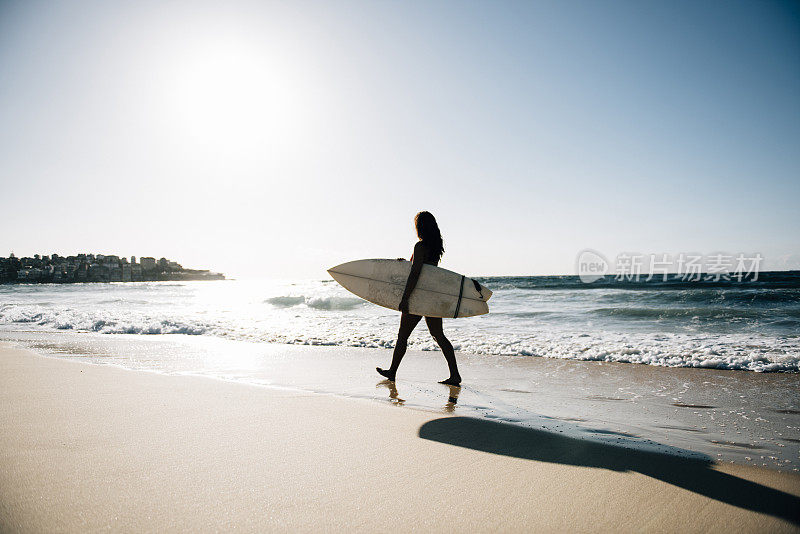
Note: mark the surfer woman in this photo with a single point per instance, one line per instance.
(429, 249)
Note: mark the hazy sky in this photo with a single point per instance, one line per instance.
(281, 138)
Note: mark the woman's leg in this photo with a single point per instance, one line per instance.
(407, 324)
(435, 328)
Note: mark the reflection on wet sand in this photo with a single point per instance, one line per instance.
(452, 399)
(394, 396)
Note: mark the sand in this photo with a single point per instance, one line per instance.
(90, 448)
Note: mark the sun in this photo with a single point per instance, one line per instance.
(234, 95)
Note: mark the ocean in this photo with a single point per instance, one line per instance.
(748, 326)
(704, 369)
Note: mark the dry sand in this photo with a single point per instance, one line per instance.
(87, 447)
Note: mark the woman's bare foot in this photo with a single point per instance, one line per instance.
(385, 372)
(452, 381)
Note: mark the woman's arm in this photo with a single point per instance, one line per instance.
(417, 260)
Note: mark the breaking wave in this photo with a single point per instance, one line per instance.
(319, 303)
(285, 302)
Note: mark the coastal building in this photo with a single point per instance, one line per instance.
(97, 273)
(148, 264)
(82, 272)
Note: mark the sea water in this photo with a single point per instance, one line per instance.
(750, 326)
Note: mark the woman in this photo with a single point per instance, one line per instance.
(429, 249)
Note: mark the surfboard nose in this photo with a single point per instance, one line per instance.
(335, 272)
(339, 268)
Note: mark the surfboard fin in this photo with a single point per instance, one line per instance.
(478, 288)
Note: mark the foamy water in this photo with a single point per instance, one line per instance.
(751, 326)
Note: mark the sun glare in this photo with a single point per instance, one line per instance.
(235, 96)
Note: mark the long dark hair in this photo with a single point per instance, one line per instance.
(428, 232)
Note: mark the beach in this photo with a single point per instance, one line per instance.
(95, 447)
(209, 210)
(205, 288)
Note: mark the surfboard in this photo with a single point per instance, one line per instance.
(438, 293)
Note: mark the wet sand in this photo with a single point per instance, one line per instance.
(90, 447)
(742, 417)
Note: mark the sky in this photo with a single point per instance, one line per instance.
(277, 139)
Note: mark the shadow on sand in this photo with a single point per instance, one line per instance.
(694, 475)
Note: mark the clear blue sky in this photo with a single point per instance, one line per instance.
(278, 139)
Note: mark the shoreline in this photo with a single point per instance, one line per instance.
(15, 329)
(93, 447)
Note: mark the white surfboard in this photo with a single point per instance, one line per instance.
(438, 293)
